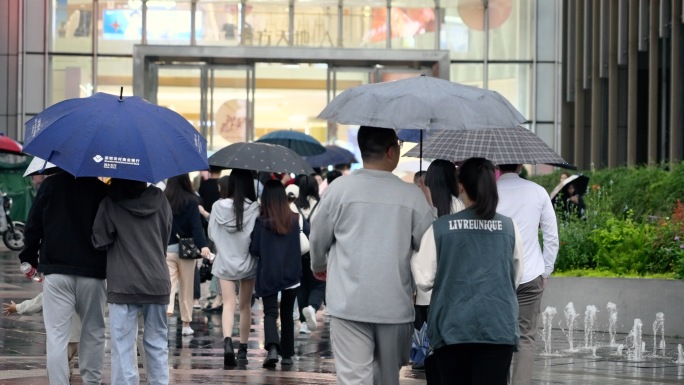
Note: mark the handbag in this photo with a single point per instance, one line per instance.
(187, 248)
(303, 240)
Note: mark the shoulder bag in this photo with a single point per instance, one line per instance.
(187, 248)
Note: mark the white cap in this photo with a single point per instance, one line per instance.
(292, 191)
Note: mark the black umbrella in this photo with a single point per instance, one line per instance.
(260, 157)
(296, 141)
(333, 155)
(579, 181)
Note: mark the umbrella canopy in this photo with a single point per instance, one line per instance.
(106, 135)
(296, 141)
(502, 146)
(9, 145)
(39, 166)
(333, 155)
(581, 182)
(260, 157)
(422, 102)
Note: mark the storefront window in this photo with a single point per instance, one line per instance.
(71, 26)
(70, 77)
(513, 81)
(221, 20)
(267, 23)
(114, 73)
(119, 26)
(459, 34)
(466, 73)
(316, 23)
(413, 24)
(363, 24)
(170, 22)
(511, 30)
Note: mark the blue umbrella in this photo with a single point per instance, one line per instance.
(110, 136)
(333, 155)
(415, 135)
(296, 141)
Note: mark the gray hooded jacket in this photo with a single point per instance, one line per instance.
(135, 233)
(233, 260)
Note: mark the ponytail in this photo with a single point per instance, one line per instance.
(476, 175)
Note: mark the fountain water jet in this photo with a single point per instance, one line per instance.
(637, 346)
(612, 321)
(659, 325)
(547, 318)
(589, 319)
(570, 316)
(680, 354)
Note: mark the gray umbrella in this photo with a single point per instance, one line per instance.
(422, 102)
(502, 146)
(260, 157)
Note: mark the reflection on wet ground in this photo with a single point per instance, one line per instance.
(198, 359)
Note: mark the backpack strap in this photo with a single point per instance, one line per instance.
(312, 210)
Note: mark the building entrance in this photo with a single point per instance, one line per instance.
(234, 94)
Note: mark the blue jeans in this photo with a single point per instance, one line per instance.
(123, 326)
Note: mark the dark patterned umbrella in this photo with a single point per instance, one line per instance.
(333, 155)
(260, 157)
(500, 145)
(296, 141)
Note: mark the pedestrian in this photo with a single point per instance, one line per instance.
(311, 293)
(35, 305)
(366, 227)
(186, 224)
(473, 274)
(133, 224)
(59, 230)
(231, 223)
(276, 243)
(441, 183)
(529, 205)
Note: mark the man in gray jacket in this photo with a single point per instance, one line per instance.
(363, 234)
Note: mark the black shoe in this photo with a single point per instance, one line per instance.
(228, 353)
(242, 352)
(286, 361)
(271, 358)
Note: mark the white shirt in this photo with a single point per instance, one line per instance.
(529, 205)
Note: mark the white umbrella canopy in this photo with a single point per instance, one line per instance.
(39, 166)
(424, 103)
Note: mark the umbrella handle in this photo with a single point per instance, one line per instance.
(121, 94)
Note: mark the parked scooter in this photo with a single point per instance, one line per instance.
(12, 231)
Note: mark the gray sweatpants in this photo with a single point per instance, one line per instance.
(62, 296)
(529, 302)
(368, 353)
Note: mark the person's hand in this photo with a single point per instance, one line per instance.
(204, 212)
(205, 252)
(321, 276)
(544, 281)
(9, 308)
(574, 199)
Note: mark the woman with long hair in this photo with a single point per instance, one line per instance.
(231, 223)
(275, 241)
(186, 223)
(473, 278)
(311, 293)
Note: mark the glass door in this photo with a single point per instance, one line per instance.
(217, 100)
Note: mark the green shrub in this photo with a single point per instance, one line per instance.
(622, 246)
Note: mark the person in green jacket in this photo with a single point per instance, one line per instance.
(472, 262)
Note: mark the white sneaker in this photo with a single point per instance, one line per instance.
(187, 331)
(310, 315)
(303, 329)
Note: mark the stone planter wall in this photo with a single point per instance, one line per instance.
(634, 298)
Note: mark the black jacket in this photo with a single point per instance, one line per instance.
(187, 223)
(60, 227)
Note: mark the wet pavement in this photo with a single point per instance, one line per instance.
(198, 359)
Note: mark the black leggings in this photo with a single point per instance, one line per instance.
(311, 291)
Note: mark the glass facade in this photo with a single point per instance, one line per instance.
(89, 48)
